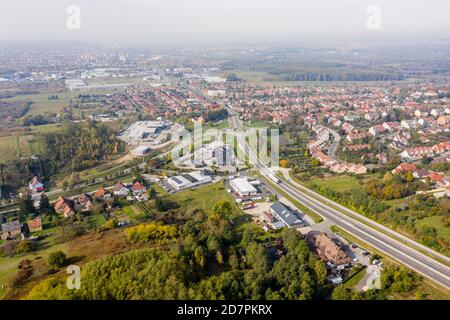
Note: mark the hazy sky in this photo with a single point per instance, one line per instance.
(149, 21)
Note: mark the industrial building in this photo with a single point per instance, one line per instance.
(141, 151)
(242, 187)
(141, 131)
(285, 215)
(188, 180)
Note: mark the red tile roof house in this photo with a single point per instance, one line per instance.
(417, 153)
(34, 225)
(138, 188)
(36, 185)
(442, 147)
(64, 206)
(435, 177)
(404, 167)
(102, 193)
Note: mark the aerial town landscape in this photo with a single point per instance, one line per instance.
(100, 170)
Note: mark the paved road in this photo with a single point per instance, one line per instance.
(333, 147)
(410, 257)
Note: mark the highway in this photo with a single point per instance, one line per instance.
(410, 257)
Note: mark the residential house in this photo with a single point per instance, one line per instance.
(442, 147)
(417, 153)
(391, 126)
(36, 185)
(443, 120)
(357, 147)
(120, 190)
(382, 157)
(377, 130)
(83, 202)
(102, 193)
(10, 230)
(330, 249)
(138, 188)
(357, 136)
(404, 167)
(34, 225)
(64, 206)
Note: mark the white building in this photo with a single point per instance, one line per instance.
(141, 150)
(242, 187)
(179, 182)
(188, 180)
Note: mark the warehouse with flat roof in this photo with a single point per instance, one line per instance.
(188, 180)
(242, 187)
(287, 216)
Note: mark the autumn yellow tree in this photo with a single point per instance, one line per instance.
(284, 163)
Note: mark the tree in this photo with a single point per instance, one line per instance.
(44, 204)
(341, 292)
(159, 204)
(409, 177)
(2, 174)
(284, 163)
(151, 193)
(320, 272)
(57, 259)
(26, 206)
(98, 207)
(222, 209)
(314, 162)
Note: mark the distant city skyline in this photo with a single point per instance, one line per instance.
(208, 21)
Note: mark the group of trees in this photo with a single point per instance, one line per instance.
(151, 232)
(391, 186)
(216, 115)
(27, 210)
(418, 207)
(212, 260)
(184, 272)
(81, 145)
(37, 120)
(355, 199)
(341, 76)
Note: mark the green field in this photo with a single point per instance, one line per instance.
(202, 198)
(23, 144)
(437, 223)
(339, 183)
(8, 265)
(41, 104)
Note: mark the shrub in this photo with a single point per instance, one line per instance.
(144, 233)
(57, 259)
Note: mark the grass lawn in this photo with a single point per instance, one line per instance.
(8, 265)
(125, 210)
(41, 104)
(24, 143)
(203, 197)
(355, 279)
(97, 220)
(437, 223)
(223, 124)
(8, 148)
(339, 183)
(159, 190)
